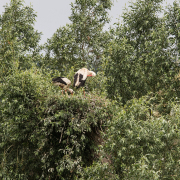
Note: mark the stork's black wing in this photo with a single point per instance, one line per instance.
(59, 80)
(82, 82)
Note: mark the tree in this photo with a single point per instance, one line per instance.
(44, 134)
(88, 19)
(144, 145)
(19, 40)
(82, 42)
(140, 58)
(61, 50)
(173, 26)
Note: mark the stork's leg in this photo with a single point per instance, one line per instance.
(65, 91)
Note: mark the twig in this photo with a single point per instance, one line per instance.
(61, 134)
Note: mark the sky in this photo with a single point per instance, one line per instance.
(53, 14)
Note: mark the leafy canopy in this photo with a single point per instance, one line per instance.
(19, 40)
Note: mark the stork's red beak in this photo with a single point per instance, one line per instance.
(89, 75)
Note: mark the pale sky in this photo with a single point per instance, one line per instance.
(53, 14)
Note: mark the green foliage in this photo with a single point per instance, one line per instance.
(18, 39)
(143, 145)
(118, 70)
(172, 16)
(45, 134)
(99, 171)
(89, 18)
(21, 99)
(61, 50)
(139, 59)
(96, 84)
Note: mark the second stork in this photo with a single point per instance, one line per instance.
(64, 83)
(81, 76)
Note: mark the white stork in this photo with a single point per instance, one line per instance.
(81, 76)
(64, 83)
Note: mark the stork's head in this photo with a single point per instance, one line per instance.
(91, 73)
(71, 91)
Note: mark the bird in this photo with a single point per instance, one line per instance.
(64, 83)
(81, 76)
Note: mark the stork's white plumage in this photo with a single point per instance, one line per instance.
(81, 76)
(64, 83)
